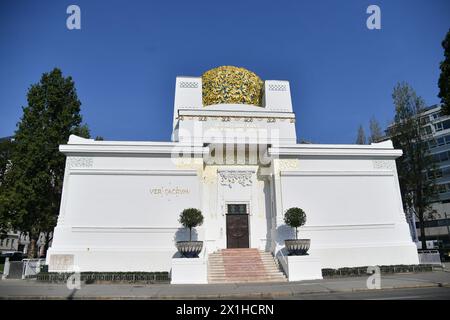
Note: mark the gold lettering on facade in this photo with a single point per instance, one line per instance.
(169, 191)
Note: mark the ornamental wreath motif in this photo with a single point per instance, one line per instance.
(228, 178)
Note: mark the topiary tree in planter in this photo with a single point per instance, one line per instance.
(295, 218)
(190, 218)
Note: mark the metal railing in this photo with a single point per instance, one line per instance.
(429, 257)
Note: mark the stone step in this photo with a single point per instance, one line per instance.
(269, 268)
(243, 265)
(221, 268)
(240, 280)
(243, 261)
(243, 275)
(245, 281)
(271, 276)
(249, 260)
(228, 280)
(273, 271)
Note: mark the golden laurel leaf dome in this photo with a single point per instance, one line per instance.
(232, 85)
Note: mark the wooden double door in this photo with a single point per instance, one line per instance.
(237, 226)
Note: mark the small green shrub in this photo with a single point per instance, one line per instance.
(191, 218)
(295, 218)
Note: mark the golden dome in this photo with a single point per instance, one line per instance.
(228, 84)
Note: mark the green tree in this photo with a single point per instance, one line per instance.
(361, 136)
(444, 79)
(6, 146)
(31, 197)
(295, 218)
(416, 164)
(191, 218)
(375, 131)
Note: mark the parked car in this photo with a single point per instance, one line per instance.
(12, 255)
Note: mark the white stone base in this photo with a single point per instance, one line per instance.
(109, 260)
(299, 268)
(361, 256)
(189, 270)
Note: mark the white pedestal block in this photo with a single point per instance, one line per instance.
(189, 270)
(299, 268)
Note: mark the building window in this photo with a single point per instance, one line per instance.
(441, 157)
(445, 171)
(426, 130)
(439, 126)
(435, 115)
(443, 125)
(432, 143)
(424, 120)
(434, 174)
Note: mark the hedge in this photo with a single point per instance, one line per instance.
(360, 271)
(95, 277)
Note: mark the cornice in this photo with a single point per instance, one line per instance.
(115, 147)
(369, 151)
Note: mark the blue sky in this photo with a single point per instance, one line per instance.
(126, 56)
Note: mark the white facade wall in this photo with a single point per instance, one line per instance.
(120, 212)
(354, 211)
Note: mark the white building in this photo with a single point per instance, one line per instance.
(233, 148)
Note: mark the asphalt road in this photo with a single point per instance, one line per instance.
(426, 285)
(436, 293)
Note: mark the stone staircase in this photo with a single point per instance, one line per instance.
(243, 265)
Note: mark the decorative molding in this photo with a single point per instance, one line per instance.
(127, 229)
(333, 151)
(80, 162)
(286, 164)
(170, 149)
(188, 85)
(134, 172)
(236, 118)
(212, 113)
(384, 164)
(228, 178)
(336, 173)
(374, 225)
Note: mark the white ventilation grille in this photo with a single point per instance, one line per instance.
(188, 85)
(277, 87)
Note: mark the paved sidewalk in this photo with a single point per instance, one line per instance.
(31, 289)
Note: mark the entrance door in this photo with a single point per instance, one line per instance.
(237, 226)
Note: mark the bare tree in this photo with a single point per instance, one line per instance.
(375, 131)
(361, 137)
